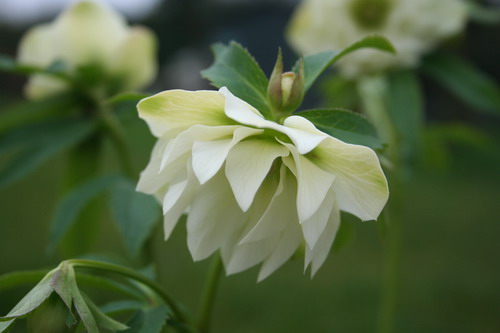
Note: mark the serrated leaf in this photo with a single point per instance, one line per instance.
(38, 152)
(237, 70)
(102, 319)
(72, 204)
(345, 125)
(24, 113)
(32, 300)
(150, 320)
(464, 80)
(316, 64)
(405, 106)
(135, 214)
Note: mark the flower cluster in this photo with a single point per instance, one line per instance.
(413, 26)
(254, 189)
(89, 37)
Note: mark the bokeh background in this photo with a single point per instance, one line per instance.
(450, 270)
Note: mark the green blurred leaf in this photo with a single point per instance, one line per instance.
(236, 69)
(30, 302)
(339, 92)
(8, 64)
(345, 125)
(483, 14)
(316, 64)
(464, 80)
(59, 139)
(50, 316)
(405, 106)
(102, 319)
(135, 213)
(122, 306)
(149, 320)
(130, 96)
(24, 113)
(72, 204)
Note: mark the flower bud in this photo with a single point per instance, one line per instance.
(285, 90)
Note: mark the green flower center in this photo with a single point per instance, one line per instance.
(371, 14)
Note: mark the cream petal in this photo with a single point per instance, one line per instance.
(313, 184)
(208, 156)
(183, 143)
(244, 113)
(322, 248)
(88, 32)
(286, 246)
(247, 165)
(135, 59)
(278, 214)
(174, 111)
(213, 216)
(247, 255)
(314, 226)
(360, 184)
(36, 47)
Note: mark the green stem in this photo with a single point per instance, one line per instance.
(135, 276)
(117, 135)
(373, 92)
(208, 297)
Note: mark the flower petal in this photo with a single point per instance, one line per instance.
(36, 47)
(172, 112)
(302, 136)
(313, 183)
(247, 165)
(322, 248)
(208, 156)
(314, 226)
(213, 216)
(135, 59)
(360, 183)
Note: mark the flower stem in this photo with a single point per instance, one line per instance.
(208, 297)
(179, 315)
(117, 135)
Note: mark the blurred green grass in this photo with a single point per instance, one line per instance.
(449, 271)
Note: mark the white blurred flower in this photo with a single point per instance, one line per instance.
(413, 26)
(254, 189)
(89, 34)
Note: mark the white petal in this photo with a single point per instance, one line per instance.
(247, 165)
(360, 184)
(183, 143)
(247, 255)
(135, 59)
(320, 252)
(314, 226)
(174, 111)
(300, 133)
(208, 156)
(313, 184)
(286, 246)
(278, 214)
(36, 47)
(213, 216)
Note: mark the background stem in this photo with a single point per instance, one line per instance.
(208, 297)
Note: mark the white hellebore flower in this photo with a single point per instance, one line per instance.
(87, 34)
(253, 189)
(413, 26)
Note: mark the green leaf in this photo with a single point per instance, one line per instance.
(135, 213)
(14, 279)
(8, 64)
(345, 125)
(32, 300)
(483, 14)
(150, 320)
(464, 80)
(316, 64)
(102, 319)
(72, 204)
(405, 106)
(122, 306)
(237, 70)
(130, 96)
(55, 142)
(338, 91)
(50, 316)
(23, 113)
